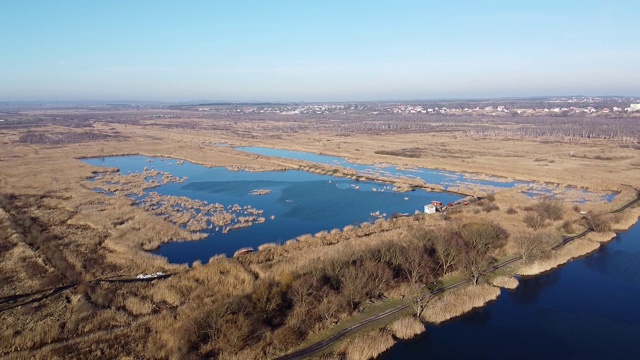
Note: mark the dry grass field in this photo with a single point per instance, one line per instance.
(57, 238)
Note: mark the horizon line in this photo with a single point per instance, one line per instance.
(281, 102)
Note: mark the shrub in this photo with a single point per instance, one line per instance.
(598, 222)
(534, 221)
(489, 207)
(511, 211)
(286, 338)
(549, 209)
(567, 227)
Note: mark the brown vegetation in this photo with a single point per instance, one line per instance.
(368, 346)
(572, 250)
(507, 282)
(55, 231)
(457, 302)
(406, 327)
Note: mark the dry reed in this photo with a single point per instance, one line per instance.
(369, 345)
(574, 249)
(457, 302)
(507, 282)
(406, 327)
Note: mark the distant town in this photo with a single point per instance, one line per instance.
(555, 106)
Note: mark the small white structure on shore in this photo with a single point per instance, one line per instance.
(429, 209)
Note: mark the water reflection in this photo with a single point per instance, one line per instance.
(625, 267)
(477, 317)
(530, 288)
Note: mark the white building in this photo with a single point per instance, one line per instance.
(429, 209)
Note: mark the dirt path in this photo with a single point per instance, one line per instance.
(13, 301)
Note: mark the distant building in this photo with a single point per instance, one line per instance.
(429, 209)
(634, 107)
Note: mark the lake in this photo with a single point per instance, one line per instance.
(300, 202)
(587, 309)
(446, 179)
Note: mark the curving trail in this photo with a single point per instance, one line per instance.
(13, 301)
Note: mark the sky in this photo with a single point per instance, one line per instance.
(321, 50)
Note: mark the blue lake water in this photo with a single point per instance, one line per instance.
(447, 179)
(587, 309)
(438, 177)
(301, 202)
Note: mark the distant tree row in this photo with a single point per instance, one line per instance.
(32, 137)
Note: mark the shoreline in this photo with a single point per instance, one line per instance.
(596, 244)
(321, 169)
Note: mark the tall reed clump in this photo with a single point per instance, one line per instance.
(406, 327)
(457, 302)
(368, 346)
(507, 282)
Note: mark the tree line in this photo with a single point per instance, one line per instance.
(279, 313)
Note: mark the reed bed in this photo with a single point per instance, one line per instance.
(406, 327)
(457, 302)
(603, 237)
(572, 250)
(507, 282)
(368, 346)
(626, 219)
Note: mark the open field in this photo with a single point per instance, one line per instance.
(55, 231)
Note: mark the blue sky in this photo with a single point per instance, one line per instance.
(318, 50)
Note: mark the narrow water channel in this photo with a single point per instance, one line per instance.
(587, 309)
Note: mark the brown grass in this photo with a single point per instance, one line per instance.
(138, 306)
(101, 236)
(457, 302)
(406, 327)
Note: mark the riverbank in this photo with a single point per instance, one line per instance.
(460, 301)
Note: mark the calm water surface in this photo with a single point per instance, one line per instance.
(447, 179)
(587, 309)
(301, 202)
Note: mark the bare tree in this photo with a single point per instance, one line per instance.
(480, 240)
(416, 265)
(535, 244)
(598, 222)
(353, 282)
(420, 296)
(301, 290)
(474, 263)
(379, 276)
(448, 246)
